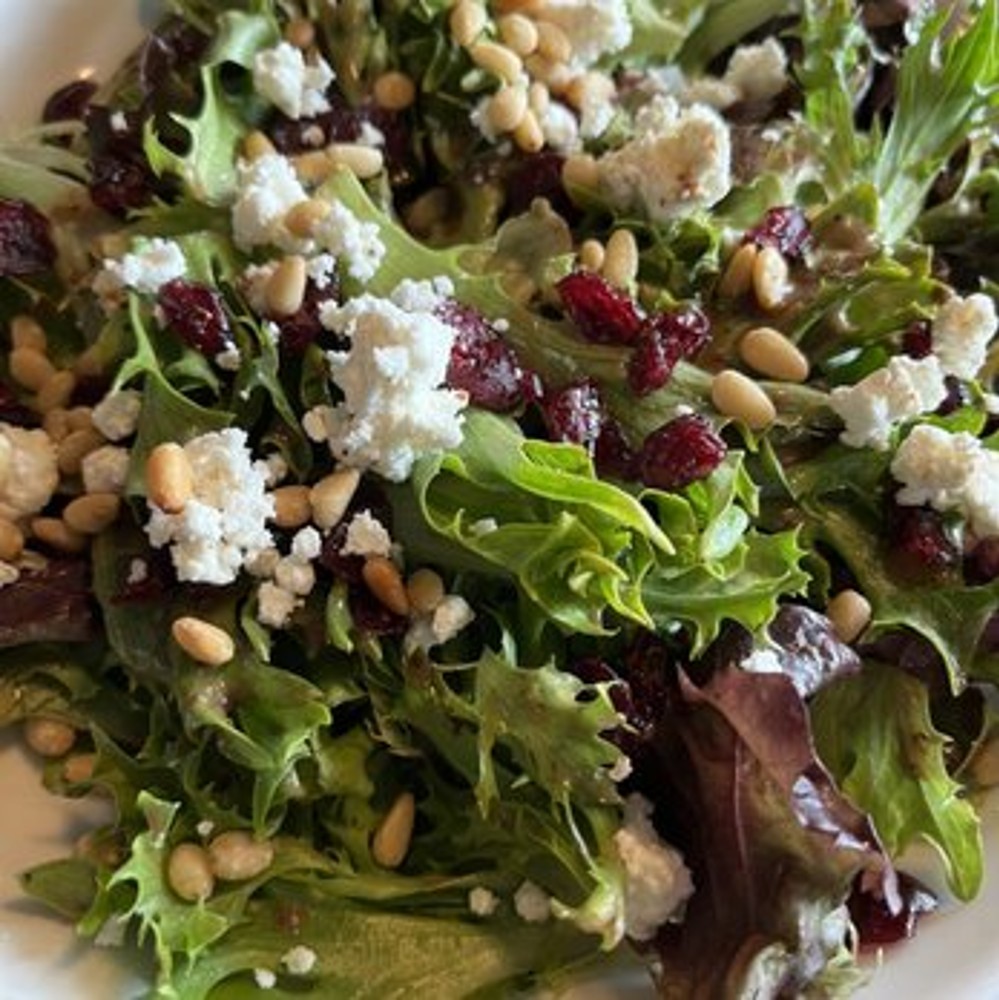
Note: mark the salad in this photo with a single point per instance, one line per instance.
(491, 488)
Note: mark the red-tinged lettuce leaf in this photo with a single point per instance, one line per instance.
(51, 604)
(773, 845)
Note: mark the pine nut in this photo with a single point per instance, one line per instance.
(55, 423)
(30, 368)
(331, 496)
(285, 289)
(237, 855)
(303, 218)
(425, 591)
(90, 363)
(506, 108)
(740, 397)
(518, 33)
(364, 162)
(737, 277)
(528, 135)
(58, 535)
(621, 259)
(256, 145)
(850, 613)
(92, 513)
(556, 76)
(553, 42)
(580, 171)
(769, 352)
(770, 278)
(538, 97)
(300, 32)
(498, 60)
(467, 21)
(49, 737)
(427, 211)
(81, 418)
(189, 873)
(74, 448)
(56, 392)
(25, 331)
(391, 841)
(169, 477)
(11, 541)
(385, 582)
(202, 641)
(314, 167)
(589, 87)
(292, 507)
(6, 460)
(591, 255)
(79, 768)
(394, 91)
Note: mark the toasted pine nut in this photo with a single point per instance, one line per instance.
(555, 75)
(55, 423)
(202, 641)
(769, 352)
(313, 167)
(300, 32)
(591, 255)
(770, 278)
(506, 108)
(58, 535)
(303, 218)
(169, 477)
(427, 211)
(737, 278)
(90, 363)
(467, 21)
(30, 368)
(25, 331)
(292, 507)
(11, 541)
(553, 42)
(237, 855)
(364, 162)
(621, 259)
(79, 768)
(425, 591)
(92, 513)
(81, 418)
(580, 171)
(385, 582)
(256, 145)
(394, 91)
(498, 60)
(74, 448)
(518, 33)
(56, 392)
(331, 496)
(285, 289)
(391, 841)
(588, 87)
(189, 873)
(528, 135)
(740, 397)
(538, 98)
(49, 737)
(850, 613)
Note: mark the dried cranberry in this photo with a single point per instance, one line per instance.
(345, 567)
(120, 176)
(649, 665)
(482, 362)
(341, 123)
(981, 565)
(957, 396)
(614, 455)
(785, 228)
(539, 175)
(575, 414)
(680, 452)
(917, 341)
(371, 616)
(397, 147)
(665, 338)
(303, 327)
(14, 412)
(600, 312)
(876, 924)
(69, 103)
(195, 314)
(26, 245)
(920, 542)
(174, 45)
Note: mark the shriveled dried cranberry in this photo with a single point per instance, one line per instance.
(680, 452)
(26, 245)
(120, 176)
(920, 544)
(14, 412)
(175, 44)
(195, 314)
(342, 123)
(575, 414)
(957, 396)
(397, 146)
(876, 924)
(304, 327)
(785, 228)
(614, 455)
(917, 341)
(600, 312)
(482, 362)
(664, 339)
(69, 103)
(345, 567)
(649, 665)
(981, 565)
(371, 616)
(539, 175)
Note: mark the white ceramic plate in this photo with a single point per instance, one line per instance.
(43, 44)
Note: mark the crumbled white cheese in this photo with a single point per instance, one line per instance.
(321, 269)
(482, 902)
(679, 160)
(275, 605)
(450, 617)
(294, 575)
(962, 330)
(366, 536)
(224, 524)
(205, 828)
(358, 243)
(307, 544)
(254, 281)
(119, 122)
(711, 91)
(316, 421)
(762, 661)
(657, 883)
(229, 359)
(595, 28)
(9, 573)
(950, 472)
(903, 389)
(300, 960)
(30, 472)
(268, 189)
(370, 136)
(758, 72)
(105, 470)
(146, 269)
(265, 979)
(282, 76)
(422, 296)
(595, 113)
(395, 406)
(560, 127)
(621, 770)
(277, 468)
(262, 564)
(532, 903)
(116, 416)
(484, 526)
(138, 572)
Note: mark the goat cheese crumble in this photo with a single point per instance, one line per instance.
(116, 416)
(595, 28)
(268, 189)
(105, 470)
(962, 330)
(29, 473)
(282, 76)
(145, 270)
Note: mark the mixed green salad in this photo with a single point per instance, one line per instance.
(491, 489)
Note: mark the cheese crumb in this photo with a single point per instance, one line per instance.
(145, 270)
(532, 903)
(31, 471)
(268, 189)
(105, 470)
(358, 243)
(300, 960)
(757, 72)
(282, 76)
(482, 902)
(962, 330)
(116, 416)
(264, 978)
(595, 28)
(366, 536)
